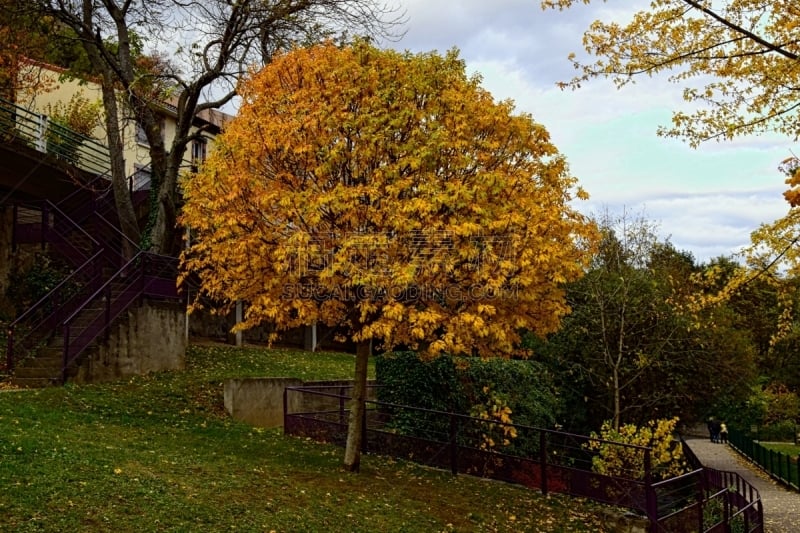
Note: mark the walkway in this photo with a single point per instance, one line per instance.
(781, 506)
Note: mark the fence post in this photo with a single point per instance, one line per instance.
(41, 133)
(726, 510)
(772, 462)
(453, 444)
(788, 470)
(285, 408)
(543, 460)
(363, 425)
(701, 497)
(651, 505)
(342, 419)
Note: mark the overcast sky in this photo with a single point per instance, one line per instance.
(705, 200)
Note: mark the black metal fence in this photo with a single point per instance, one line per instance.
(543, 459)
(782, 467)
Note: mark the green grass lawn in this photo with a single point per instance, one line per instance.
(158, 453)
(786, 448)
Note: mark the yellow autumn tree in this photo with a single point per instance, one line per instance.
(736, 61)
(389, 195)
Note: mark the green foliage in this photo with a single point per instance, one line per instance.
(778, 431)
(79, 114)
(497, 390)
(740, 414)
(497, 430)
(70, 123)
(526, 386)
(714, 514)
(629, 351)
(457, 384)
(781, 404)
(30, 283)
(773, 409)
(408, 380)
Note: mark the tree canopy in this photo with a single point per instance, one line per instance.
(736, 60)
(388, 194)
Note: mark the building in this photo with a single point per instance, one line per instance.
(106, 315)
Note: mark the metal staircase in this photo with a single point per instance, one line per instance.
(109, 273)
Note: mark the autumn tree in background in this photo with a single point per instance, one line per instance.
(736, 61)
(388, 194)
(21, 37)
(209, 45)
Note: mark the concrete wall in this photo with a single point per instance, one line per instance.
(151, 338)
(259, 401)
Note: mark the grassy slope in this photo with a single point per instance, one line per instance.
(157, 453)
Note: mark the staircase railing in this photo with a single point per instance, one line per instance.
(35, 326)
(146, 275)
(735, 500)
(87, 303)
(104, 283)
(46, 224)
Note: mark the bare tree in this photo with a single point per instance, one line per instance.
(210, 45)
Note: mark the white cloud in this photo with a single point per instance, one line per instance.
(707, 199)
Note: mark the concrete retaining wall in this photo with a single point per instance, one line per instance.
(151, 338)
(259, 401)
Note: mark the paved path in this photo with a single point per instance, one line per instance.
(781, 506)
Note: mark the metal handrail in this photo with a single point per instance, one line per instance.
(43, 134)
(82, 271)
(134, 288)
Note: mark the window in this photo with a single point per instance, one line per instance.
(141, 136)
(142, 176)
(199, 150)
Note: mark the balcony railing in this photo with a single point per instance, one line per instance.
(38, 131)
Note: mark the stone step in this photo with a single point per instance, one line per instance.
(39, 369)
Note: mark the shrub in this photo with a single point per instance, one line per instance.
(498, 391)
(68, 122)
(29, 283)
(666, 458)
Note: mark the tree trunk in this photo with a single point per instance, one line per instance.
(122, 196)
(355, 426)
(617, 400)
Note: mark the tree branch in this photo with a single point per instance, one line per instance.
(725, 22)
